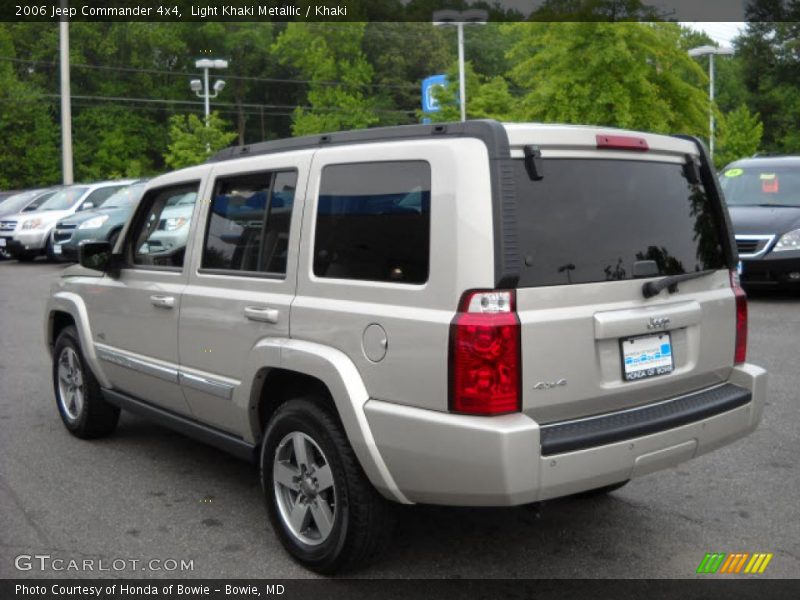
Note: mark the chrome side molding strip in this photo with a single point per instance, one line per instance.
(136, 364)
(217, 388)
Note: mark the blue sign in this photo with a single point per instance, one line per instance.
(429, 84)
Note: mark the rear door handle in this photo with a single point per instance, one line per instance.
(163, 301)
(265, 314)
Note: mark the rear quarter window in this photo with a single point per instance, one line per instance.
(373, 222)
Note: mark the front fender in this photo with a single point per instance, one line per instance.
(333, 368)
(73, 305)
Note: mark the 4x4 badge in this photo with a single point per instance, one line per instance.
(548, 385)
(658, 323)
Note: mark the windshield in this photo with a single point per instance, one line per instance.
(761, 186)
(590, 220)
(125, 198)
(17, 202)
(64, 199)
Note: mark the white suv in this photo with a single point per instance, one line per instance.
(469, 314)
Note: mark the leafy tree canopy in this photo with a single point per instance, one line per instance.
(192, 142)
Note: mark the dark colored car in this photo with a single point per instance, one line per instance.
(763, 197)
(100, 224)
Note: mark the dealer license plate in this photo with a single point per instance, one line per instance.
(646, 356)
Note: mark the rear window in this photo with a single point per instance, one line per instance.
(761, 186)
(590, 220)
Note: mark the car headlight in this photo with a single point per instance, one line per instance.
(788, 241)
(174, 223)
(94, 222)
(32, 224)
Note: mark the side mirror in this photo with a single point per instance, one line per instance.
(98, 257)
(87, 205)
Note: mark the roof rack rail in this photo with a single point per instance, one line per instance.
(491, 132)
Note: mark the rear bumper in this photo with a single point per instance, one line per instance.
(441, 458)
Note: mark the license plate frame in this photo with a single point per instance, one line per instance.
(648, 355)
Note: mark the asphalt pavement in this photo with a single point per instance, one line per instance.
(147, 493)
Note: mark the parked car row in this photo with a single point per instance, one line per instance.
(28, 220)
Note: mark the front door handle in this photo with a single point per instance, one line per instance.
(163, 301)
(258, 313)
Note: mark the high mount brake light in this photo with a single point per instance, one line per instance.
(485, 354)
(622, 142)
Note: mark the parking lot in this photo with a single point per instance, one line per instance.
(147, 493)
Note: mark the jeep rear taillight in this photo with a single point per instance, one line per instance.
(485, 348)
(740, 355)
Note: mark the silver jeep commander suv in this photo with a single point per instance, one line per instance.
(476, 314)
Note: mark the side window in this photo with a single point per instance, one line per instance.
(248, 226)
(97, 197)
(161, 229)
(373, 222)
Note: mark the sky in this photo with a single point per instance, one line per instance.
(722, 33)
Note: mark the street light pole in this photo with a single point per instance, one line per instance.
(201, 88)
(205, 94)
(66, 103)
(445, 18)
(710, 51)
(462, 84)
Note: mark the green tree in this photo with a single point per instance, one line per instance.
(740, 136)
(330, 56)
(769, 55)
(191, 142)
(633, 75)
(29, 154)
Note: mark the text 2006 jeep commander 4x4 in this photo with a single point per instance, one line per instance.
(468, 314)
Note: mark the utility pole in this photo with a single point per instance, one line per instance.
(66, 102)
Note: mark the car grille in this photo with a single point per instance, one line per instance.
(8, 225)
(61, 235)
(752, 245)
(747, 246)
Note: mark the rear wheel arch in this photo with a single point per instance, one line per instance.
(309, 368)
(275, 386)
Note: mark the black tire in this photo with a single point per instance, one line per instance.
(48, 250)
(362, 519)
(26, 257)
(602, 491)
(94, 417)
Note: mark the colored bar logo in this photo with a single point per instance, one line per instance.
(735, 563)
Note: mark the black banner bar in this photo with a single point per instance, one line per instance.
(349, 589)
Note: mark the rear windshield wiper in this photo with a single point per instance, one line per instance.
(653, 288)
